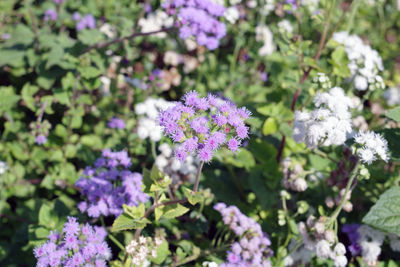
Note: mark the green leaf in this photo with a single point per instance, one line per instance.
(385, 214)
(270, 126)
(394, 114)
(126, 222)
(193, 197)
(90, 37)
(243, 159)
(175, 210)
(162, 253)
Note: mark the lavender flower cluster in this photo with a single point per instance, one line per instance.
(74, 246)
(86, 22)
(202, 125)
(198, 18)
(115, 123)
(109, 185)
(252, 249)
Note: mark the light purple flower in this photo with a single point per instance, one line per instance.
(75, 246)
(40, 139)
(202, 125)
(50, 14)
(116, 123)
(109, 185)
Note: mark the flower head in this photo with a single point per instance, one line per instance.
(202, 125)
(109, 185)
(75, 246)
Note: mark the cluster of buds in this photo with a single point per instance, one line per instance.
(347, 205)
(292, 178)
(322, 80)
(322, 241)
(143, 248)
(376, 83)
(40, 130)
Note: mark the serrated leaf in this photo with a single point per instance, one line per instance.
(193, 197)
(394, 114)
(126, 222)
(385, 214)
(174, 211)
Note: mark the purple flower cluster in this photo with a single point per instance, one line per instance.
(116, 123)
(40, 139)
(74, 246)
(351, 230)
(198, 18)
(202, 125)
(50, 14)
(87, 22)
(109, 185)
(252, 248)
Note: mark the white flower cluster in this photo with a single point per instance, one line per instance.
(323, 245)
(370, 241)
(364, 62)
(264, 34)
(232, 14)
(156, 21)
(392, 96)
(143, 248)
(323, 80)
(209, 264)
(148, 126)
(326, 125)
(372, 145)
(3, 167)
(284, 26)
(267, 6)
(168, 164)
(291, 176)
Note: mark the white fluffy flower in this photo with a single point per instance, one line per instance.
(264, 34)
(328, 124)
(148, 110)
(285, 26)
(175, 169)
(267, 7)
(340, 261)
(392, 96)
(364, 62)
(372, 145)
(3, 167)
(232, 14)
(209, 264)
(323, 249)
(156, 21)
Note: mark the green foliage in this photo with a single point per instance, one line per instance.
(385, 214)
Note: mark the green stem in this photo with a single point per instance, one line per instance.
(336, 213)
(113, 239)
(153, 149)
(355, 5)
(197, 181)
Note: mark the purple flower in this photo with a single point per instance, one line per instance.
(50, 14)
(202, 125)
(200, 19)
(351, 231)
(58, 2)
(40, 139)
(75, 246)
(252, 247)
(109, 185)
(264, 76)
(87, 22)
(116, 123)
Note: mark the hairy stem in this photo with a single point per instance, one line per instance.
(196, 183)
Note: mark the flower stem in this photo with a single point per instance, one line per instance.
(336, 213)
(196, 183)
(113, 239)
